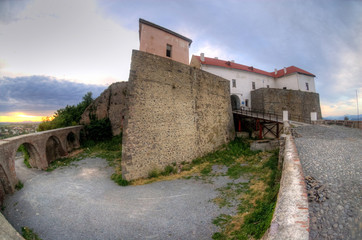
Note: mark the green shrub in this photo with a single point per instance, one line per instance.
(98, 130)
(28, 234)
(169, 170)
(19, 185)
(206, 170)
(117, 178)
(68, 116)
(153, 173)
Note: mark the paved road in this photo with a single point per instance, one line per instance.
(333, 156)
(81, 202)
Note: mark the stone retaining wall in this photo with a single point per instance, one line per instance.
(291, 217)
(299, 104)
(175, 113)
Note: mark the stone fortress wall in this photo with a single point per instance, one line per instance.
(297, 103)
(175, 113)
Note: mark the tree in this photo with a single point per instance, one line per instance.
(68, 116)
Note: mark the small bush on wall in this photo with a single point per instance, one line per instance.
(98, 130)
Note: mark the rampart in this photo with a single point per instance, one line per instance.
(299, 104)
(175, 113)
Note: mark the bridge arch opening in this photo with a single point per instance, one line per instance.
(54, 149)
(71, 141)
(30, 153)
(235, 102)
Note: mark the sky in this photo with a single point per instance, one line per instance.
(53, 52)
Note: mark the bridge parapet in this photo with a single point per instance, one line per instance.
(43, 147)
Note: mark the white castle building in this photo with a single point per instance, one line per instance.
(244, 79)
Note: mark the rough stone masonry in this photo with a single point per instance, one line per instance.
(298, 103)
(175, 113)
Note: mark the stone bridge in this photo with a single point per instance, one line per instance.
(43, 147)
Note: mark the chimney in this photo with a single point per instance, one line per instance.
(232, 61)
(275, 71)
(202, 57)
(216, 57)
(285, 70)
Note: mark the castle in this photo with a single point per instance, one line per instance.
(171, 111)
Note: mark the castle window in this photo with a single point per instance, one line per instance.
(234, 83)
(168, 50)
(307, 86)
(253, 85)
(246, 103)
(267, 86)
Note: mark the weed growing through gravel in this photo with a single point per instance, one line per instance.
(29, 234)
(257, 199)
(19, 185)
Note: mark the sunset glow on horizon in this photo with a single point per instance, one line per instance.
(20, 117)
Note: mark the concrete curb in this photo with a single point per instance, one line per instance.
(7, 232)
(291, 217)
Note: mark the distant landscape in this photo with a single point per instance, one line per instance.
(14, 129)
(350, 117)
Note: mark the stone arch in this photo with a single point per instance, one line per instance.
(72, 141)
(54, 149)
(34, 155)
(235, 102)
(5, 186)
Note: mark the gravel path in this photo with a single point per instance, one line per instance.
(81, 202)
(332, 155)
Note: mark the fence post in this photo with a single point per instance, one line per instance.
(285, 115)
(313, 117)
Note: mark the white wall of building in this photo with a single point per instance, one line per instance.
(296, 81)
(244, 81)
(303, 79)
(288, 82)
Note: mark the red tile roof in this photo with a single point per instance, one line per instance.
(229, 64)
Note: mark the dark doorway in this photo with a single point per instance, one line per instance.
(235, 102)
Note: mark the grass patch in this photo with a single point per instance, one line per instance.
(206, 170)
(117, 178)
(168, 170)
(62, 162)
(29, 234)
(258, 198)
(228, 155)
(19, 185)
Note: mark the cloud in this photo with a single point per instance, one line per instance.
(36, 95)
(343, 107)
(10, 8)
(67, 39)
(90, 41)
